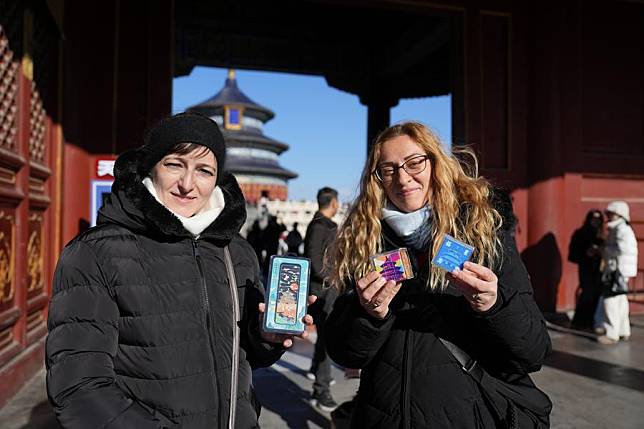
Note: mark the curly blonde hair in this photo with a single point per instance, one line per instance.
(460, 202)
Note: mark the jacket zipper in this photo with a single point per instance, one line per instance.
(206, 305)
(405, 409)
(406, 379)
(232, 281)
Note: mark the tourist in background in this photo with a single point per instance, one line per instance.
(585, 251)
(270, 240)
(620, 265)
(294, 240)
(319, 237)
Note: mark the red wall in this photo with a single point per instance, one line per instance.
(555, 109)
(252, 192)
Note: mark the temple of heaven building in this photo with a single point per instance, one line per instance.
(251, 156)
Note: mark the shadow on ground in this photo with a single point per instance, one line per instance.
(290, 401)
(607, 372)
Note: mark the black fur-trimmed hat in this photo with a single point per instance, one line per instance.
(186, 127)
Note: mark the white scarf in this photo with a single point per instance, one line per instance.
(414, 229)
(405, 224)
(197, 223)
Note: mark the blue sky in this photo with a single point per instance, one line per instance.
(325, 128)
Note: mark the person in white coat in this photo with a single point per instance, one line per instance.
(620, 249)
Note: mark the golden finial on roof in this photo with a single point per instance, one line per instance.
(231, 74)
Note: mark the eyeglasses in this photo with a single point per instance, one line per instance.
(415, 165)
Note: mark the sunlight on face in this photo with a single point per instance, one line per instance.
(185, 182)
(408, 192)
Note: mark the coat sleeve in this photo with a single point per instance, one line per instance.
(259, 353)
(513, 335)
(316, 240)
(626, 246)
(353, 336)
(81, 346)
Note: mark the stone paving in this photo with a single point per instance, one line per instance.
(591, 385)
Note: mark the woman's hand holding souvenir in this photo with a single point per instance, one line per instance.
(478, 284)
(375, 294)
(286, 340)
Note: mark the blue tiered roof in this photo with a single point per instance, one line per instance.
(241, 120)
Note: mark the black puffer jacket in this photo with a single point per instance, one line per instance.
(319, 237)
(409, 379)
(141, 322)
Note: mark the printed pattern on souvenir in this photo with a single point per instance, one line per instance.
(393, 265)
(452, 254)
(288, 287)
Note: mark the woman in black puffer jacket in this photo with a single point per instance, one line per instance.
(412, 194)
(154, 321)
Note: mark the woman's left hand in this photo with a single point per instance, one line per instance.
(478, 284)
(285, 340)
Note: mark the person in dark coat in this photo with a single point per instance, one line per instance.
(271, 241)
(319, 237)
(412, 194)
(254, 238)
(585, 251)
(294, 240)
(155, 316)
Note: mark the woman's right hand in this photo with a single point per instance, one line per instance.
(375, 294)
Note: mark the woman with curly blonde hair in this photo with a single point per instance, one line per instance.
(412, 194)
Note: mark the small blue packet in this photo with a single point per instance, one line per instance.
(452, 254)
(287, 295)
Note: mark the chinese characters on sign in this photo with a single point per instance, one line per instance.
(105, 167)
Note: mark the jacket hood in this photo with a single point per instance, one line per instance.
(620, 208)
(132, 206)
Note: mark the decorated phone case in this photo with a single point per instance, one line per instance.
(287, 293)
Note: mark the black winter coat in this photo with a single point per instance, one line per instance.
(319, 237)
(409, 379)
(141, 322)
(584, 239)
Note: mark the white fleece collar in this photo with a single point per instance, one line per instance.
(197, 223)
